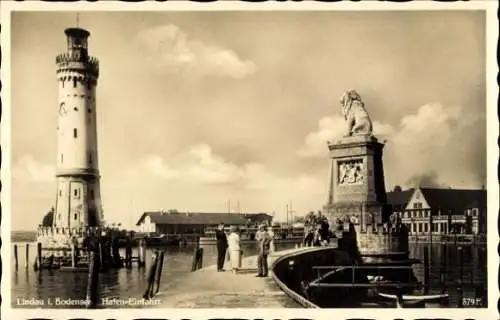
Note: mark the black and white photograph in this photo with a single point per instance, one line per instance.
(228, 158)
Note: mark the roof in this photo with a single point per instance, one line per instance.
(456, 199)
(441, 198)
(399, 198)
(203, 218)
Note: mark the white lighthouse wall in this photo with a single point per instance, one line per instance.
(77, 128)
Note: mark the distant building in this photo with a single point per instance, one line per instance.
(440, 211)
(174, 222)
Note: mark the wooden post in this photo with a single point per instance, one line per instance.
(151, 278)
(16, 262)
(426, 269)
(39, 254)
(27, 261)
(461, 264)
(159, 271)
(142, 253)
(73, 255)
(200, 258)
(442, 271)
(93, 280)
(460, 295)
(461, 276)
(128, 253)
(195, 259)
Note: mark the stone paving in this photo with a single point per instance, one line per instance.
(207, 288)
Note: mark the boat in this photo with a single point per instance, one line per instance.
(416, 300)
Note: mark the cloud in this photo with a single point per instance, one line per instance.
(156, 165)
(422, 147)
(333, 128)
(199, 165)
(179, 54)
(28, 169)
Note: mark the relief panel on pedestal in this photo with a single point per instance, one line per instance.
(351, 172)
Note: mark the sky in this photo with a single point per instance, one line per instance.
(196, 109)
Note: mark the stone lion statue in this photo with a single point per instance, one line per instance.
(353, 108)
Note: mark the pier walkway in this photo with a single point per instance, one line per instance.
(207, 288)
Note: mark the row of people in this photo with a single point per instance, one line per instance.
(231, 243)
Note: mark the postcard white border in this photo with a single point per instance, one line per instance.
(489, 6)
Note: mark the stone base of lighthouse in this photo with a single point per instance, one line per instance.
(77, 211)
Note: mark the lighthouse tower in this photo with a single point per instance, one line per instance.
(78, 201)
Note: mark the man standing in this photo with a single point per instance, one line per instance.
(263, 243)
(221, 237)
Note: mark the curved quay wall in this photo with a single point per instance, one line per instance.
(289, 274)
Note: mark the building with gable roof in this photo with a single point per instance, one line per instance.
(440, 211)
(175, 222)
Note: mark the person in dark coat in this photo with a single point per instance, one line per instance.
(221, 237)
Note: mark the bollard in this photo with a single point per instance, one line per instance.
(27, 260)
(39, 254)
(159, 270)
(16, 262)
(151, 278)
(426, 270)
(93, 280)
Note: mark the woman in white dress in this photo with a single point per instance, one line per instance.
(233, 241)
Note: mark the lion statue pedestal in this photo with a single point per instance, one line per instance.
(357, 187)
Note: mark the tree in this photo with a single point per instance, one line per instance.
(48, 219)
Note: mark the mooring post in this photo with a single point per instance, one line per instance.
(195, 259)
(200, 258)
(128, 253)
(159, 271)
(73, 255)
(142, 253)
(151, 278)
(16, 262)
(93, 280)
(39, 254)
(27, 260)
(426, 270)
(461, 276)
(461, 264)
(442, 271)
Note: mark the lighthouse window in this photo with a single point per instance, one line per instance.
(74, 82)
(75, 134)
(75, 193)
(90, 157)
(76, 216)
(60, 192)
(62, 158)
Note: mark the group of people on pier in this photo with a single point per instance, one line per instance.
(229, 243)
(317, 230)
